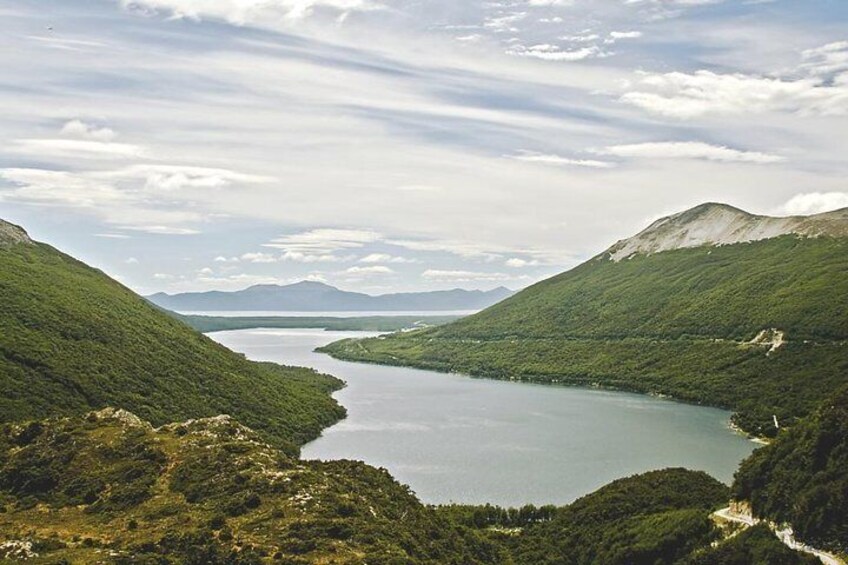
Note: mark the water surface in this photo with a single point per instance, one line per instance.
(458, 439)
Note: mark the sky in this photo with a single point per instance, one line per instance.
(406, 145)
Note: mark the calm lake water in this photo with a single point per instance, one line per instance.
(458, 439)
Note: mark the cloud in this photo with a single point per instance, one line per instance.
(385, 258)
(463, 276)
(548, 52)
(113, 235)
(690, 95)
(161, 230)
(259, 258)
(518, 263)
(170, 178)
(300, 257)
(816, 203)
(371, 270)
(324, 240)
(532, 157)
(131, 261)
(77, 148)
(130, 197)
(241, 12)
(550, 2)
(84, 130)
(40, 186)
(689, 150)
(625, 34)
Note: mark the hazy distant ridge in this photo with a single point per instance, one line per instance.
(310, 296)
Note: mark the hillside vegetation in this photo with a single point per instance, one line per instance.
(74, 340)
(687, 323)
(802, 477)
(207, 324)
(109, 488)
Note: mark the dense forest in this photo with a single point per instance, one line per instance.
(802, 477)
(74, 340)
(683, 323)
(207, 324)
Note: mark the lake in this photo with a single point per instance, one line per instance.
(457, 439)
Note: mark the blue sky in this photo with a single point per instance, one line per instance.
(387, 145)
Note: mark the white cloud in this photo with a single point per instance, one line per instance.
(371, 270)
(170, 178)
(532, 157)
(259, 258)
(84, 130)
(112, 235)
(625, 34)
(242, 12)
(300, 257)
(419, 188)
(129, 197)
(385, 258)
(550, 2)
(463, 276)
(131, 261)
(518, 263)
(163, 276)
(689, 150)
(77, 148)
(816, 203)
(324, 241)
(161, 230)
(548, 52)
(690, 95)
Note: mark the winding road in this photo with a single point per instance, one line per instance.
(785, 534)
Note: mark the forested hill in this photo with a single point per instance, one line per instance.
(802, 478)
(109, 488)
(758, 325)
(74, 340)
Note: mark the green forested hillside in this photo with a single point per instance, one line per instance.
(73, 340)
(802, 477)
(108, 488)
(678, 322)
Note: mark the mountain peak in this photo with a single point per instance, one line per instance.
(10, 234)
(714, 223)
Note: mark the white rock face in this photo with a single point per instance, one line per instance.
(720, 224)
(10, 234)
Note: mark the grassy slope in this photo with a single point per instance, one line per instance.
(74, 340)
(669, 323)
(801, 477)
(108, 488)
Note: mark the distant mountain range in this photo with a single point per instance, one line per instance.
(308, 296)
